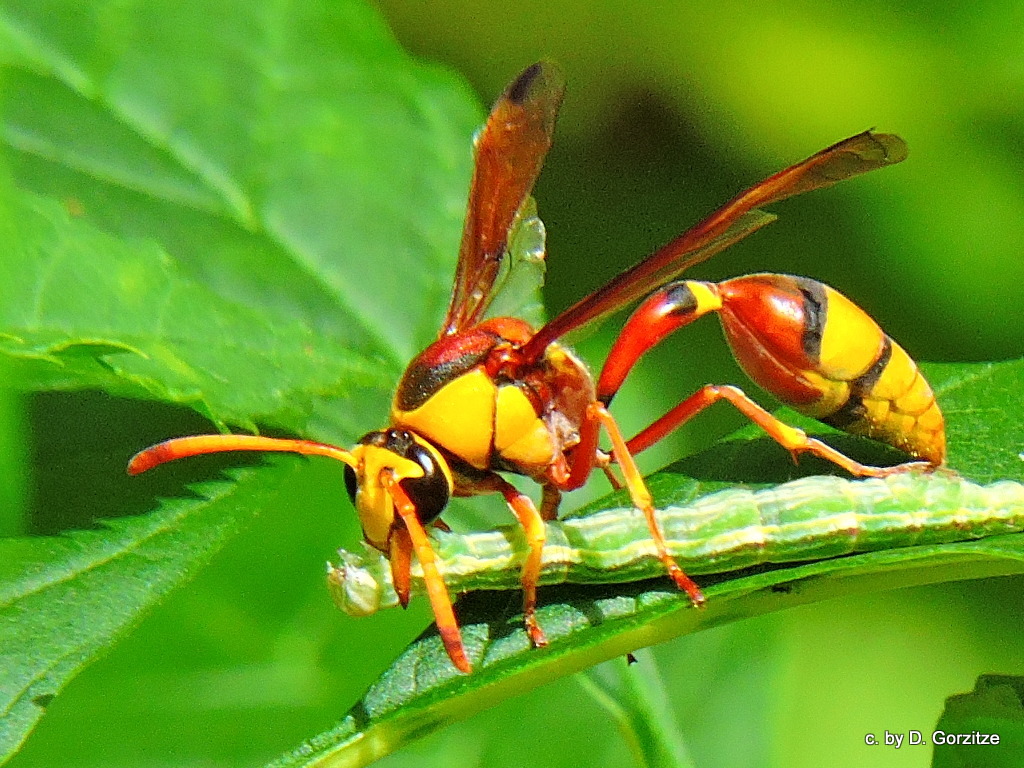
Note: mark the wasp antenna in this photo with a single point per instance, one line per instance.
(183, 447)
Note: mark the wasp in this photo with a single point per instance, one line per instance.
(493, 395)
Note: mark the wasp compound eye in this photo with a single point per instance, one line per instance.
(431, 492)
(351, 483)
(391, 449)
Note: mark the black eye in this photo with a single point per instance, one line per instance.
(351, 483)
(431, 492)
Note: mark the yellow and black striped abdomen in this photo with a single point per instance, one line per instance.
(819, 352)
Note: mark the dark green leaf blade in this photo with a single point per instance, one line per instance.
(984, 417)
(65, 600)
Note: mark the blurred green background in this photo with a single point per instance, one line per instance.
(671, 109)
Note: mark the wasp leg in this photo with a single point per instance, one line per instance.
(792, 439)
(549, 502)
(441, 603)
(400, 557)
(642, 500)
(604, 463)
(662, 313)
(525, 511)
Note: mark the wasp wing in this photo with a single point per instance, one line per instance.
(517, 287)
(732, 222)
(509, 154)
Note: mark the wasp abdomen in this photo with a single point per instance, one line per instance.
(819, 352)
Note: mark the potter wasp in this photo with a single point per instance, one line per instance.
(494, 395)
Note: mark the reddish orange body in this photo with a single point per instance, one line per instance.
(495, 395)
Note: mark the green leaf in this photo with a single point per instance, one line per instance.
(85, 309)
(64, 600)
(587, 625)
(994, 708)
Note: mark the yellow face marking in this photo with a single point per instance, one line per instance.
(520, 436)
(374, 504)
(850, 342)
(458, 417)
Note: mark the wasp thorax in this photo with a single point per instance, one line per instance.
(415, 464)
